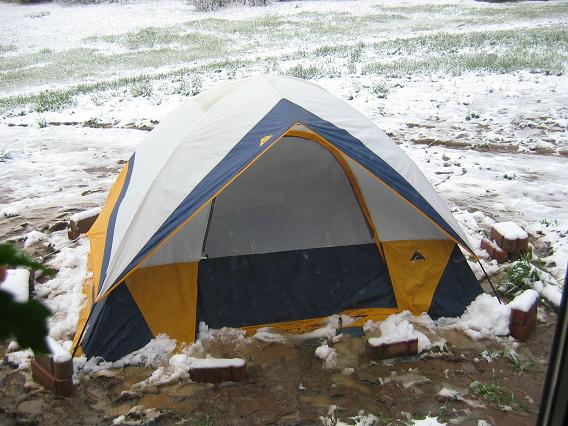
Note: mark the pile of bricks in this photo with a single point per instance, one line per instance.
(56, 376)
(380, 351)
(523, 323)
(501, 248)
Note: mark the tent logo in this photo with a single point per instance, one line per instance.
(417, 256)
(264, 140)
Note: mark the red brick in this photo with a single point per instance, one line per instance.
(523, 245)
(496, 236)
(522, 332)
(218, 374)
(488, 246)
(392, 350)
(510, 246)
(44, 370)
(500, 255)
(522, 318)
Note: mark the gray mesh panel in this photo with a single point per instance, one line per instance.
(295, 196)
(393, 217)
(184, 246)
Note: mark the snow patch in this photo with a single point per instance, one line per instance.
(484, 317)
(524, 301)
(85, 214)
(33, 237)
(328, 355)
(397, 328)
(428, 421)
(510, 230)
(57, 351)
(17, 283)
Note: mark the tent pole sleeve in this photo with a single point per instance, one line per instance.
(490, 283)
(210, 216)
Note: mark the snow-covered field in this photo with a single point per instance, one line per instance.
(476, 93)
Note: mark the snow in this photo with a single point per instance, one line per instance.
(361, 419)
(428, 421)
(525, 300)
(85, 214)
(217, 363)
(448, 393)
(58, 352)
(17, 284)
(485, 317)
(397, 328)
(9, 211)
(510, 230)
(33, 237)
(328, 355)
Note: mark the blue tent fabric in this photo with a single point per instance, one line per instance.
(247, 290)
(456, 289)
(116, 327)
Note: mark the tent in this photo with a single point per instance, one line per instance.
(266, 202)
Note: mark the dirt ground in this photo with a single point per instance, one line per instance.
(287, 385)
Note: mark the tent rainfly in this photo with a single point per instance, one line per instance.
(266, 202)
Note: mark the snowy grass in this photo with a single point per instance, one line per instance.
(324, 35)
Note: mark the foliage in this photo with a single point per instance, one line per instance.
(52, 100)
(143, 88)
(209, 5)
(11, 257)
(381, 90)
(496, 393)
(27, 322)
(301, 71)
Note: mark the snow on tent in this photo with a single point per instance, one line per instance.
(267, 202)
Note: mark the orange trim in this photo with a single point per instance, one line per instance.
(350, 176)
(175, 231)
(301, 326)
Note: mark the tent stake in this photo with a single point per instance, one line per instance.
(490, 283)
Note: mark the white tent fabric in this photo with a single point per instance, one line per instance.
(187, 145)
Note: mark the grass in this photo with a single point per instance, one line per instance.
(68, 94)
(495, 393)
(305, 72)
(519, 276)
(141, 88)
(52, 101)
(459, 64)
(518, 364)
(204, 45)
(381, 89)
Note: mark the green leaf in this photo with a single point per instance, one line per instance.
(27, 322)
(10, 256)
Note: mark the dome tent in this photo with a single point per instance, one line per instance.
(266, 202)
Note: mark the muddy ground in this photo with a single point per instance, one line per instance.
(287, 385)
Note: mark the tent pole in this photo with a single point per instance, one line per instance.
(490, 283)
(207, 228)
